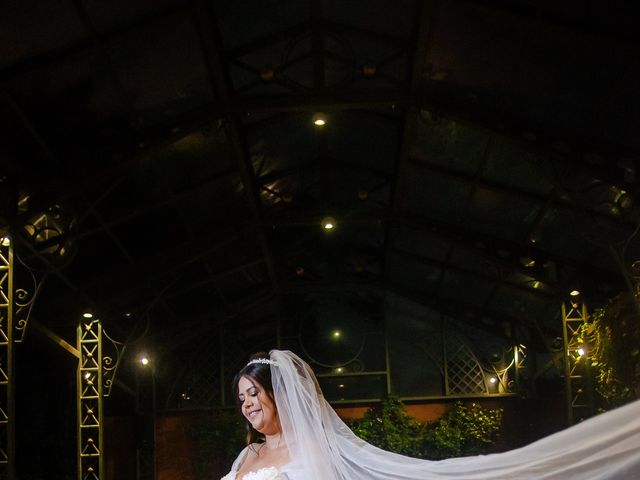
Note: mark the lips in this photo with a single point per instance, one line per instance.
(253, 413)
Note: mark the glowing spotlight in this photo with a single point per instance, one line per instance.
(6, 241)
(528, 262)
(87, 375)
(319, 119)
(336, 334)
(574, 293)
(492, 380)
(144, 360)
(339, 370)
(87, 315)
(328, 223)
(341, 385)
(581, 351)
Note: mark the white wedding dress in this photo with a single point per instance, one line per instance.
(290, 471)
(322, 447)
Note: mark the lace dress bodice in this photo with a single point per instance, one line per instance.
(287, 472)
(266, 473)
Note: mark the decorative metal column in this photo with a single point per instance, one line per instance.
(579, 398)
(90, 400)
(17, 296)
(7, 425)
(520, 364)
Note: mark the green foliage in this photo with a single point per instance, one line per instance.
(463, 430)
(613, 339)
(218, 436)
(390, 427)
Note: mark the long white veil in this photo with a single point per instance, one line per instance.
(604, 447)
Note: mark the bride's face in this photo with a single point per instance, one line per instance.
(258, 407)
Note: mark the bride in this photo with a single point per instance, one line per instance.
(280, 398)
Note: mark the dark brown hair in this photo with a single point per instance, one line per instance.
(259, 373)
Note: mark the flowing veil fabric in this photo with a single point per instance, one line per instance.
(604, 447)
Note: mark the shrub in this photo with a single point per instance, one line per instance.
(461, 431)
(613, 337)
(391, 428)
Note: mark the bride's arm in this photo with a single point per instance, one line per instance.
(236, 464)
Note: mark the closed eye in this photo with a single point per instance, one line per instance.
(254, 392)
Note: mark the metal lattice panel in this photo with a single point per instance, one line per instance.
(6, 346)
(464, 375)
(577, 379)
(89, 382)
(207, 373)
(15, 307)
(202, 382)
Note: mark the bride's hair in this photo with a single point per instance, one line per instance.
(260, 373)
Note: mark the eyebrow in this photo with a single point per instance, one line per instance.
(253, 385)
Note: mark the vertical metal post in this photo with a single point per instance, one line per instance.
(7, 385)
(154, 415)
(90, 401)
(146, 409)
(445, 359)
(516, 362)
(387, 358)
(578, 395)
(520, 363)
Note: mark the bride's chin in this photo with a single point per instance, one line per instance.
(257, 426)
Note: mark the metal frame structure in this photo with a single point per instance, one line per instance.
(7, 407)
(15, 308)
(90, 401)
(95, 375)
(578, 389)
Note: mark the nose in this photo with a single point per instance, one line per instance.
(247, 402)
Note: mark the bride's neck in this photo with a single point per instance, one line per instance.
(273, 441)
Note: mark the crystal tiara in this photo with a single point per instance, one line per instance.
(264, 361)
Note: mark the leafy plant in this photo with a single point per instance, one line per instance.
(463, 430)
(613, 337)
(391, 428)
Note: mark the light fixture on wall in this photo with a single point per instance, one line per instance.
(319, 119)
(144, 359)
(328, 223)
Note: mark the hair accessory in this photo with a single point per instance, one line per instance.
(264, 361)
